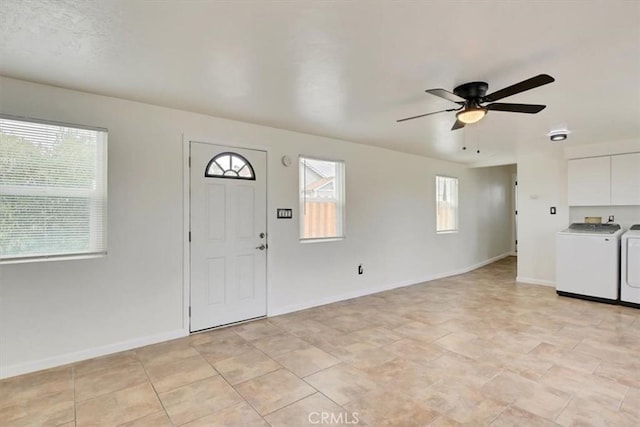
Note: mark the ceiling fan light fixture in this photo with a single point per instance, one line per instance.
(471, 115)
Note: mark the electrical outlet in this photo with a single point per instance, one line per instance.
(611, 218)
(552, 210)
(360, 269)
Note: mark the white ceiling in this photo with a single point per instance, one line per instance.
(347, 69)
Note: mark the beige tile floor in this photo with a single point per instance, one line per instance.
(475, 349)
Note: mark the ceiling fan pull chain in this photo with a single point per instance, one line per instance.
(464, 139)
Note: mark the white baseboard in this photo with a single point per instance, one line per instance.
(337, 298)
(471, 267)
(64, 359)
(369, 291)
(532, 281)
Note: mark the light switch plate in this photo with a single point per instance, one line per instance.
(284, 213)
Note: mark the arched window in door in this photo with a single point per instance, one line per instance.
(231, 166)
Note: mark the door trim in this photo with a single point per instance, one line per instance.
(186, 220)
(186, 225)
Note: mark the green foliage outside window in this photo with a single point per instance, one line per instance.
(46, 186)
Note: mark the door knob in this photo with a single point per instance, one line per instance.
(261, 247)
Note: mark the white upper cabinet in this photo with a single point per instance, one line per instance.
(605, 181)
(625, 179)
(590, 181)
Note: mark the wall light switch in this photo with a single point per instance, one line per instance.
(283, 213)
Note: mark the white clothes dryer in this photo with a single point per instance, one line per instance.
(630, 267)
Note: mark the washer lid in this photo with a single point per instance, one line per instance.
(581, 227)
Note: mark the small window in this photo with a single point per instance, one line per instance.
(229, 165)
(53, 190)
(446, 204)
(322, 199)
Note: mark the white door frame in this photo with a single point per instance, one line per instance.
(514, 214)
(186, 220)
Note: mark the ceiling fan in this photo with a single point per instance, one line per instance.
(471, 96)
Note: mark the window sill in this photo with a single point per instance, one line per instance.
(51, 258)
(322, 239)
(447, 232)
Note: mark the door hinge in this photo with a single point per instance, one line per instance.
(189, 236)
(189, 311)
(189, 161)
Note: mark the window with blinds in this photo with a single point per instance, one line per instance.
(53, 190)
(446, 204)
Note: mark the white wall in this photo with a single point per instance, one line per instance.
(58, 312)
(542, 183)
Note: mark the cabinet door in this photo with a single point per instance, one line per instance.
(590, 181)
(625, 179)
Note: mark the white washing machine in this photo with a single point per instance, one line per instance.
(588, 261)
(630, 267)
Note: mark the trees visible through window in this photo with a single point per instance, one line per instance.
(229, 165)
(53, 190)
(322, 199)
(446, 204)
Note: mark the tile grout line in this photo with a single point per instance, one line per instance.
(243, 398)
(623, 399)
(73, 384)
(102, 394)
(217, 374)
(565, 406)
(493, 420)
(144, 368)
(292, 403)
(256, 377)
(322, 393)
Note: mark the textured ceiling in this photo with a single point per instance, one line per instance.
(347, 69)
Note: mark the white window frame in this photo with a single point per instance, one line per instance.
(340, 184)
(456, 207)
(95, 220)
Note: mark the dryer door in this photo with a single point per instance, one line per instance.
(633, 261)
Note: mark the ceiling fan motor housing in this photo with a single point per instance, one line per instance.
(473, 90)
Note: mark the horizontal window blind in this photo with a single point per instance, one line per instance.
(53, 190)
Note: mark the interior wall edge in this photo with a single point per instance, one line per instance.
(534, 281)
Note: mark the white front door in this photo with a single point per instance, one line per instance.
(228, 235)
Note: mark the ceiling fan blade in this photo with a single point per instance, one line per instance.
(457, 125)
(533, 82)
(428, 114)
(516, 108)
(446, 95)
